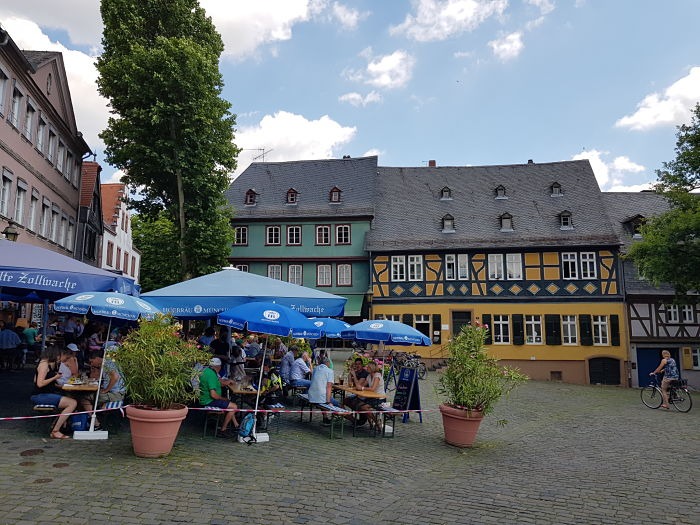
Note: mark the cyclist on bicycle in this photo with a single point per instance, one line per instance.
(670, 369)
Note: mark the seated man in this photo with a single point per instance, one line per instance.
(357, 376)
(301, 367)
(321, 388)
(210, 396)
(112, 387)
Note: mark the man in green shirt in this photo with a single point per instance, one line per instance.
(210, 396)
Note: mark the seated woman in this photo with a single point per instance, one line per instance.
(46, 390)
(375, 383)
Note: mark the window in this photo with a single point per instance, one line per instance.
(70, 165)
(51, 153)
(294, 274)
(54, 225)
(501, 329)
(63, 231)
(344, 277)
(60, 156)
(588, 265)
(514, 266)
(20, 199)
(15, 108)
(445, 194)
(292, 196)
(422, 324)
(506, 222)
(45, 219)
(71, 235)
(398, 268)
(565, 221)
(272, 235)
(274, 271)
(569, 334)
(334, 195)
(323, 275)
(110, 253)
(450, 267)
(568, 266)
(323, 235)
(5, 192)
(600, 330)
(241, 236)
(687, 313)
(33, 209)
(29, 122)
(448, 224)
(389, 317)
(342, 234)
(495, 266)
(556, 190)
(672, 313)
(500, 192)
(4, 82)
(696, 358)
(242, 267)
(118, 259)
(90, 246)
(533, 329)
(40, 133)
(133, 266)
(294, 235)
(462, 267)
(250, 198)
(415, 267)
(126, 262)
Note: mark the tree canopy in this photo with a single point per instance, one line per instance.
(170, 130)
(669, 251)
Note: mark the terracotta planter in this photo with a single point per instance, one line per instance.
(153, 431)
(460, 425)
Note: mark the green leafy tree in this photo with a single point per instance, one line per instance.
(170, 130)
(670, 248)
(157, 240)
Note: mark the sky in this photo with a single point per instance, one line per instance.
(461, 82)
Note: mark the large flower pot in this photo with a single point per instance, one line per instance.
(460, 425)
(153, 431)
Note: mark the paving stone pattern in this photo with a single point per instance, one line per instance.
(568, 454)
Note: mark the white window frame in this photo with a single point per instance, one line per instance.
(414, 265)
(495, 267)
(60, 156)
(295, 274)
(241, 236)
(687, 313)
(70, 236)
(33, 206)
(343, 275)
(54, 225)
(274, 271)
(272, 232)
(450, 267)
(514, 266)
(45, 221)
(342, 230)
(501, 329)
(695, 357)
(324, 274)
(40, 133)
(398, 268)
(20, 200)
(241, 267)
(533, 329)
(5, 194)
(569, 266)
(672, 313)
(462, 267)
(588, 265)
(29, 115)
(323, 235)
(51, 153)
(569, 330)
(16, 106)
(566, 221)
(294, 235)
(4, 82)
(63, 231)
(601, 334)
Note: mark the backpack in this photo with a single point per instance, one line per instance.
(245, 431)
(79, 422)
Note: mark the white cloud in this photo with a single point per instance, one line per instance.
(671, 107)
(442, 19)
(631, 187)
(611, 174)
(508, 47)
(372, 152)
(357, 100)
(287, 136)
(545, 6)
(384, 72)
(348, 17)
(112, 177)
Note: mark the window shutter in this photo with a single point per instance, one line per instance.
(407, 319)
(518, 330)
(486, 321)
(615, 330)
(552, 326)
(584, 322)
(437, 329)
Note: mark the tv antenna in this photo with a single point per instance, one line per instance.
(261, 155)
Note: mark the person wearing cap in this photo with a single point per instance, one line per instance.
(71, 354)
(210, 396)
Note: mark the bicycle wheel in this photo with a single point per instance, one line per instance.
(651, 396)
(681, 400)
(422, 370)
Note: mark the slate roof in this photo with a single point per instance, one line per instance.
(37, 58)
(409, 210)
(313, 179)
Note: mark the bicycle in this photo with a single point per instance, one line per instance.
(678, 395)
(413, 361)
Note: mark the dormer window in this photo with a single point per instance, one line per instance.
(445, 194)
(334, 195)
(506, 222)
(634, 225)
(500, 192)
(565, 221)
(556, 190)
(448, 224)
(251, 197)
(292, 196)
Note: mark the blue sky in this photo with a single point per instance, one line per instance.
(463, 82)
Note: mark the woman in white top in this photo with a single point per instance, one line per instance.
(375, 383)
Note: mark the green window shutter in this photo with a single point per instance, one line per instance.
(486, 320)
(407, 319)
(437, 329)
(615, 330)
(552, 326)
(518, 330)
(584, 322)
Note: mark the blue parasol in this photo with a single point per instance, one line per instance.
(269, 318)
(107, 304)
(329, 326)
(385, 332)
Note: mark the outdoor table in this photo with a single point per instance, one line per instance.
(90, 386)
(243, 394)
(367, 394)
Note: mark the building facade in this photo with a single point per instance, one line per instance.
(88, 246)
(118, 251)
(41, 149)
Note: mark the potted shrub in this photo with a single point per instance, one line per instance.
(158, 368)
(472, 383)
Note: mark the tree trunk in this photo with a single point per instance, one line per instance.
(184, 271)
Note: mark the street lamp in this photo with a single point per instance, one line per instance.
(10, 232)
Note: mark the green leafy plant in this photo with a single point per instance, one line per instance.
(473, 379)
(158, 365)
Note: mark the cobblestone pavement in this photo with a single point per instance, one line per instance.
(568, 454)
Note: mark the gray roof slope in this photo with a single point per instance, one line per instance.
(313, 179)
(37, 58)
(409, 209)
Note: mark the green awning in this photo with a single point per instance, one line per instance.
(353, 308)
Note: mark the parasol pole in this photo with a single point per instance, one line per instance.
(257, 397)
(92, 433)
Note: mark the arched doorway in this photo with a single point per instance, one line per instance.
(604, 371)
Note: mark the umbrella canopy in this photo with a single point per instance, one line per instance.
(206, 296)
(388, 332)
(27, 269)
(269, 318)
(329, 327)
(107, 304)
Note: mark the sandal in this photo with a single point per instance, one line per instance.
(57, 434)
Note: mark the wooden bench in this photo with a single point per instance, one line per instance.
(389, 414)
(44, 410)
(336, 414)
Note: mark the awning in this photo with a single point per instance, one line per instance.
(353, 308)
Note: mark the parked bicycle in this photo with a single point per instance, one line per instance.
(399, 360)
(678, 394)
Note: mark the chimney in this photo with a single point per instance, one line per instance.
(432, 164)
(529, 161)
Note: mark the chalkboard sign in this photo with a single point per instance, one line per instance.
(407, 395)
